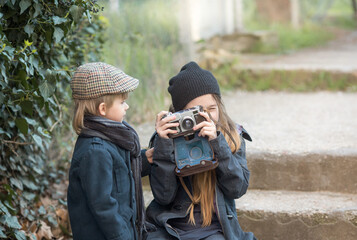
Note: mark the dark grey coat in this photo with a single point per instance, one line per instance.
(171, 200)
(101, 196)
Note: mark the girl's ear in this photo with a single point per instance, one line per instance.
(102, 109)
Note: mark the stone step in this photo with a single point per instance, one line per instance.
(309, 172)
(330, 67)
(298, 215)
(301, 141)
(295, 215)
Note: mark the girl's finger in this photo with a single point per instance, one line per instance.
(209, 132)
(209, 123)
(205, 115)
(169, 131)
(160, 115)
(170, 125)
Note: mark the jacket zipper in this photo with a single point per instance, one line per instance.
(218, 214)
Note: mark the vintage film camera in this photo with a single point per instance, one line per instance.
(193, 154)
(187, 119)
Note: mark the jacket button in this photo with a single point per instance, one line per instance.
(178, 207)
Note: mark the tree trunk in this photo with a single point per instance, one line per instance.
(354, 5)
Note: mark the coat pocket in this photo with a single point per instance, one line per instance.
(122, 180)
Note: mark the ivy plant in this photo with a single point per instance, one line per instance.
(41, 44)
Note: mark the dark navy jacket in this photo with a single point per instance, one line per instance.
(101, 195)
(171, 201)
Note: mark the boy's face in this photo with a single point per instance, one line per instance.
(117, 110)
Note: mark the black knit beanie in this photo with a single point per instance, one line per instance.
(191, 82)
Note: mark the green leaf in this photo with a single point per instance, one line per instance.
(48, 36)
(52, 221)
(44, 132)
(58, 20)
(3, 72)
(2, 168)
(31, 121)
(3, 209)
(27, 107)
(10, 221)
(29, 196)
(17, 183)
(24, 4)
(37, 139)
(58, 34)
(29, 29)
(34, 61)
(22, 125)
(30, 185)
(46, 90)
(89, 16)
(76, 12)
(2, 97)
(33, 236)
(2, 234)
(42, 210)
(38, 9)
(20, 235)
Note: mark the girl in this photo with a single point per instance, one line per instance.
(200, 206)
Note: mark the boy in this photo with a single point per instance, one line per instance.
(105, 199)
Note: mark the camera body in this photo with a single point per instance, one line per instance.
(193, 155)
(187, 119)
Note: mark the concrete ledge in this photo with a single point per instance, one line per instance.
(304, 172)
(298, 215)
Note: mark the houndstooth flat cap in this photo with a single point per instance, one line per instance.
(93, 80)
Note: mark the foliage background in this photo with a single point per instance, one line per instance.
(41, 43)
(143, 40)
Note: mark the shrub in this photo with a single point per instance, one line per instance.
(41, 43)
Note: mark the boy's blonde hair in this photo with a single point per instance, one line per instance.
(84, 107)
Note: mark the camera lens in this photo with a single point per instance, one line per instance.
(196, 153)
(187, 123)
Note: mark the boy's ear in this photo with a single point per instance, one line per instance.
(102, 109)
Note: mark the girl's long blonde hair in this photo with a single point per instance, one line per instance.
(203, 184)
(91, 106)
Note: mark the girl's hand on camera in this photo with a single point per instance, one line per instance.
(162, 125)
(209, 129)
